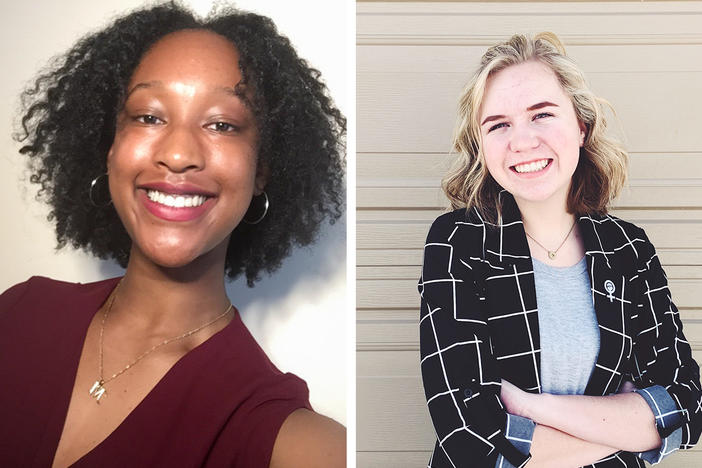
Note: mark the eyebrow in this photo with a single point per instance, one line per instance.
(230, 90)
(538, 105)
(145, 85)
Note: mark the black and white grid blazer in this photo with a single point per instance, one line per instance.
(479, 324)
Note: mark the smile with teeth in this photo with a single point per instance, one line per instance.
(175, 201)
(533, 166)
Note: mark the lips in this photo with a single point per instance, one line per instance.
(182, 202)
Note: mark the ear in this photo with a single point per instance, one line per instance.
(262, 175)
(583, 132)
(108, 159)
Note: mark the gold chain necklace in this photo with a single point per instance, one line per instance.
(552, 253)
(97, 391)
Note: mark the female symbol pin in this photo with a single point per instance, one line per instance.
(609, 287)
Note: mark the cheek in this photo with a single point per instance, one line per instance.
(493, 157)
(127, 152)
(567, 143)
(237, 168)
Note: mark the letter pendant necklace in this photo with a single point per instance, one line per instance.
(98, 391)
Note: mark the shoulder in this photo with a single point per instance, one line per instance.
(52, 288)
(236, 383)
(42, 296)
(458, 228)
(611, 225)
(308, 439)
(263, 380)
(259, 405)
(34, 288)
(626, 240)
(444, 226)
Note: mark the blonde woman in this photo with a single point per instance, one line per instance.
(600, 372)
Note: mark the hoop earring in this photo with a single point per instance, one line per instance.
(265, 210)
(93, 183)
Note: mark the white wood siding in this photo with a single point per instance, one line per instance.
(412, 61)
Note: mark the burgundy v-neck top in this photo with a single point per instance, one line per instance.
(221, 405)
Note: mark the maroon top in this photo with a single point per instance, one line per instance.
(220, 405)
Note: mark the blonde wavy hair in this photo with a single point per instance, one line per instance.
(602, 166)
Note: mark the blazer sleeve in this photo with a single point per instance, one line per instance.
(459, 371)
(662, 353)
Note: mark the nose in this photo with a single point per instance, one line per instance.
(179, 150)
(522, 138)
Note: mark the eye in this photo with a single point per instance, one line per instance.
(542, 115)
(148, 119)
(222, 127)
(498, 126)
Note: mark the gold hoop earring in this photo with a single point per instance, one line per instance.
(93, 183)
(265, 209)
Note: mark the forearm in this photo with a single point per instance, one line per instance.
(624, 421)
(551, 448)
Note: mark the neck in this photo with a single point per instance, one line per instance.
(550, 224)
(546, 216)
(163, 299)
(547, 221)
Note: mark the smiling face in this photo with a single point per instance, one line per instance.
(183, 164)
(531, 137)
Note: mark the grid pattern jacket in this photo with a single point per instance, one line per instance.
(479, 324)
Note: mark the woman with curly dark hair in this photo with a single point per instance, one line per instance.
(186, 150)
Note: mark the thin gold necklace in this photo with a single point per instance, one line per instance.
(552, 253)
(97, 391)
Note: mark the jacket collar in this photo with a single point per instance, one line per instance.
(508, 243)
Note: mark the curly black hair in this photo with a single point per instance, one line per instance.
(69, 120)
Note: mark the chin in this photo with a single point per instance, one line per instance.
(172, 261)
(172, 256)
(534, 197)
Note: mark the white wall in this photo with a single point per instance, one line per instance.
(298, 314)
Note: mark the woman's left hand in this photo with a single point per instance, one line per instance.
(515, 400)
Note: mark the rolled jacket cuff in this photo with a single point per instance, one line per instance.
(668, 422)
(519, 432)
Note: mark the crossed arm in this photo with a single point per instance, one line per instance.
(577, 430)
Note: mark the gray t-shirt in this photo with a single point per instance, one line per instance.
(569, 335)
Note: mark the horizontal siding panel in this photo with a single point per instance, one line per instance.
(686, 459)
(398, 329)
(388, 121)
(635, 215)
(391, 257)
(392, 459)
(404, 235)
(640, 195)
(631, 23)
(398, 419)
(427, 169)
(394, 407)
(465, 58)
(411, 272)
(385, 293)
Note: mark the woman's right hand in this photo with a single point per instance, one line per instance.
(516, 400)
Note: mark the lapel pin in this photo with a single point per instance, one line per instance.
(609, 287)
